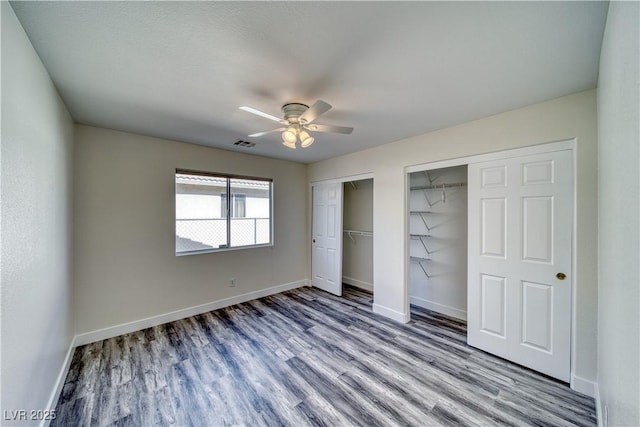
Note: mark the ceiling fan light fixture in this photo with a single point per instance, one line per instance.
(290, 135)
(297, 123)
(291, 145)
(305, 139)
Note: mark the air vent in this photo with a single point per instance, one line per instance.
(242, 143)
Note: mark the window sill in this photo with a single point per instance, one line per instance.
(235, 248)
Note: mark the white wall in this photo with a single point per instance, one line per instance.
(36, 156)
(126, 269)
(618, 211)
(357, 254)
(445, 291)
(572, 116)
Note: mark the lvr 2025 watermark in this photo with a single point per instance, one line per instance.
(29, 415)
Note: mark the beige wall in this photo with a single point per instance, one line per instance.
(619, 223)
(126, 269)
(37, 145)
(568, 117)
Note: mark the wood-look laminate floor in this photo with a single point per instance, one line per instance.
(306, 357)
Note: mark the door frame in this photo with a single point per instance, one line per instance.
(547, 147)
(341, 180)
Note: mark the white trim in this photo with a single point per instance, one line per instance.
(62, 376)
(599, 408)
(359, 177)
(583, 386)
(574, 268)
(391, 314)
(114, 331)
(546, 147)
(357, 283)
(439, 308)
(233, 248)
(406, 274)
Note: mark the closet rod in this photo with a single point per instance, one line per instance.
(352, 233)
(359, 232)
(438, 186)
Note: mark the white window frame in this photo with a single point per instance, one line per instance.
(228, 218)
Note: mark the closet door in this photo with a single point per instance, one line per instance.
(326, 255)
(519, 260)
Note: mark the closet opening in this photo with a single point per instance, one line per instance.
(489, 242)
(357, 240)
(438, 242)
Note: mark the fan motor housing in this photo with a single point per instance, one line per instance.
(293, 110)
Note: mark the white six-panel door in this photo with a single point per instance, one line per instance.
(519, 260)
(326, 256)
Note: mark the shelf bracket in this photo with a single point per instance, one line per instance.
(424, 245)
(424, 221)
(426, 196)
(419, 262)
(429, 179)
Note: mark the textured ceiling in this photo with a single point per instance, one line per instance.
(391, 70)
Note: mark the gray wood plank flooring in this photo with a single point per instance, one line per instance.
(308, 358)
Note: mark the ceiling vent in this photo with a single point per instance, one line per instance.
(241, 143)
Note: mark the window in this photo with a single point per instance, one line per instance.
(207, 219)
(238, 205)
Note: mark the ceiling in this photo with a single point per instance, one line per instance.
(180, 70)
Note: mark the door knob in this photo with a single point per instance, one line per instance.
(314, 240)
(561, 276)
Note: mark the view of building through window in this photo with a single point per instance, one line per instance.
(207, 219)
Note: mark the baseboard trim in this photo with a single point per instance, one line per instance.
(357, 283)
(62, 375)
(583, 386)
(148, 322)
(391, 314)
(439, 308)
(599, 409)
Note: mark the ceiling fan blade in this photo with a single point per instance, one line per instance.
(253, 135)
(329, 128)
(320, 107)
(260, 113)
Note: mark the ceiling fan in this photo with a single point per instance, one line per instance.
(297, 122)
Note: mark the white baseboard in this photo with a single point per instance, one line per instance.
(439, 308)
(62, 376)
(584, 386)
(357, 283)
(391, 314)
(599, 409)
(591, 389)
(137, 325)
